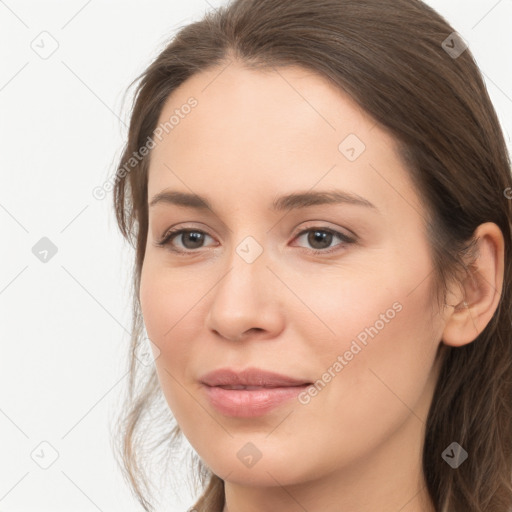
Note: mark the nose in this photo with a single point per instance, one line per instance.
(246, 302)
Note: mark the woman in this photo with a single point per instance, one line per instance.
(317, 195)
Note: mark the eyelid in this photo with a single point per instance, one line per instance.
(321, 226)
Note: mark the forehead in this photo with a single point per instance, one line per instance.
(275, 129)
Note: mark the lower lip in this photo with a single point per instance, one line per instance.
(250, 403)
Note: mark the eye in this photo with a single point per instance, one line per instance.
(321, 238)
(190, 238)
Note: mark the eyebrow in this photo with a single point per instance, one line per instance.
(288, 202)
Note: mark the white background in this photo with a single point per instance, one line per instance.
(64, 324)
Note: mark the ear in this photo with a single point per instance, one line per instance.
(481, 289)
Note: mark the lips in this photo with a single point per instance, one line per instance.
(250, 377)
(250, 392)
(248, 388)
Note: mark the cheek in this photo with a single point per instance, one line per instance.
(173, 307)
(370, 325)
(164, 310)
(154, 303)
(377, 366)
(167, 317)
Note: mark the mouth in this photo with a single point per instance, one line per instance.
(251, 388)
(250, 392)
(250, 377)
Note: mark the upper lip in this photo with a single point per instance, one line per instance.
(249, 377)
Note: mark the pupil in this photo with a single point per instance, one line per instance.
(323, 237)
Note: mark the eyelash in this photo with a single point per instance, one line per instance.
(171, 234)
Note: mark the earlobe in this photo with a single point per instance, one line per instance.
(481, 290)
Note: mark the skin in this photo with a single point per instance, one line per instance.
(357, 445)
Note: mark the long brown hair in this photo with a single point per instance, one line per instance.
(390, 57)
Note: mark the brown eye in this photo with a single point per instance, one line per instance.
(320, 239)
(190, 239)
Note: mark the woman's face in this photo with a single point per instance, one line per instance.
(350, 327)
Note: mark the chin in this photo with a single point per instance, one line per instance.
(263, 468)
